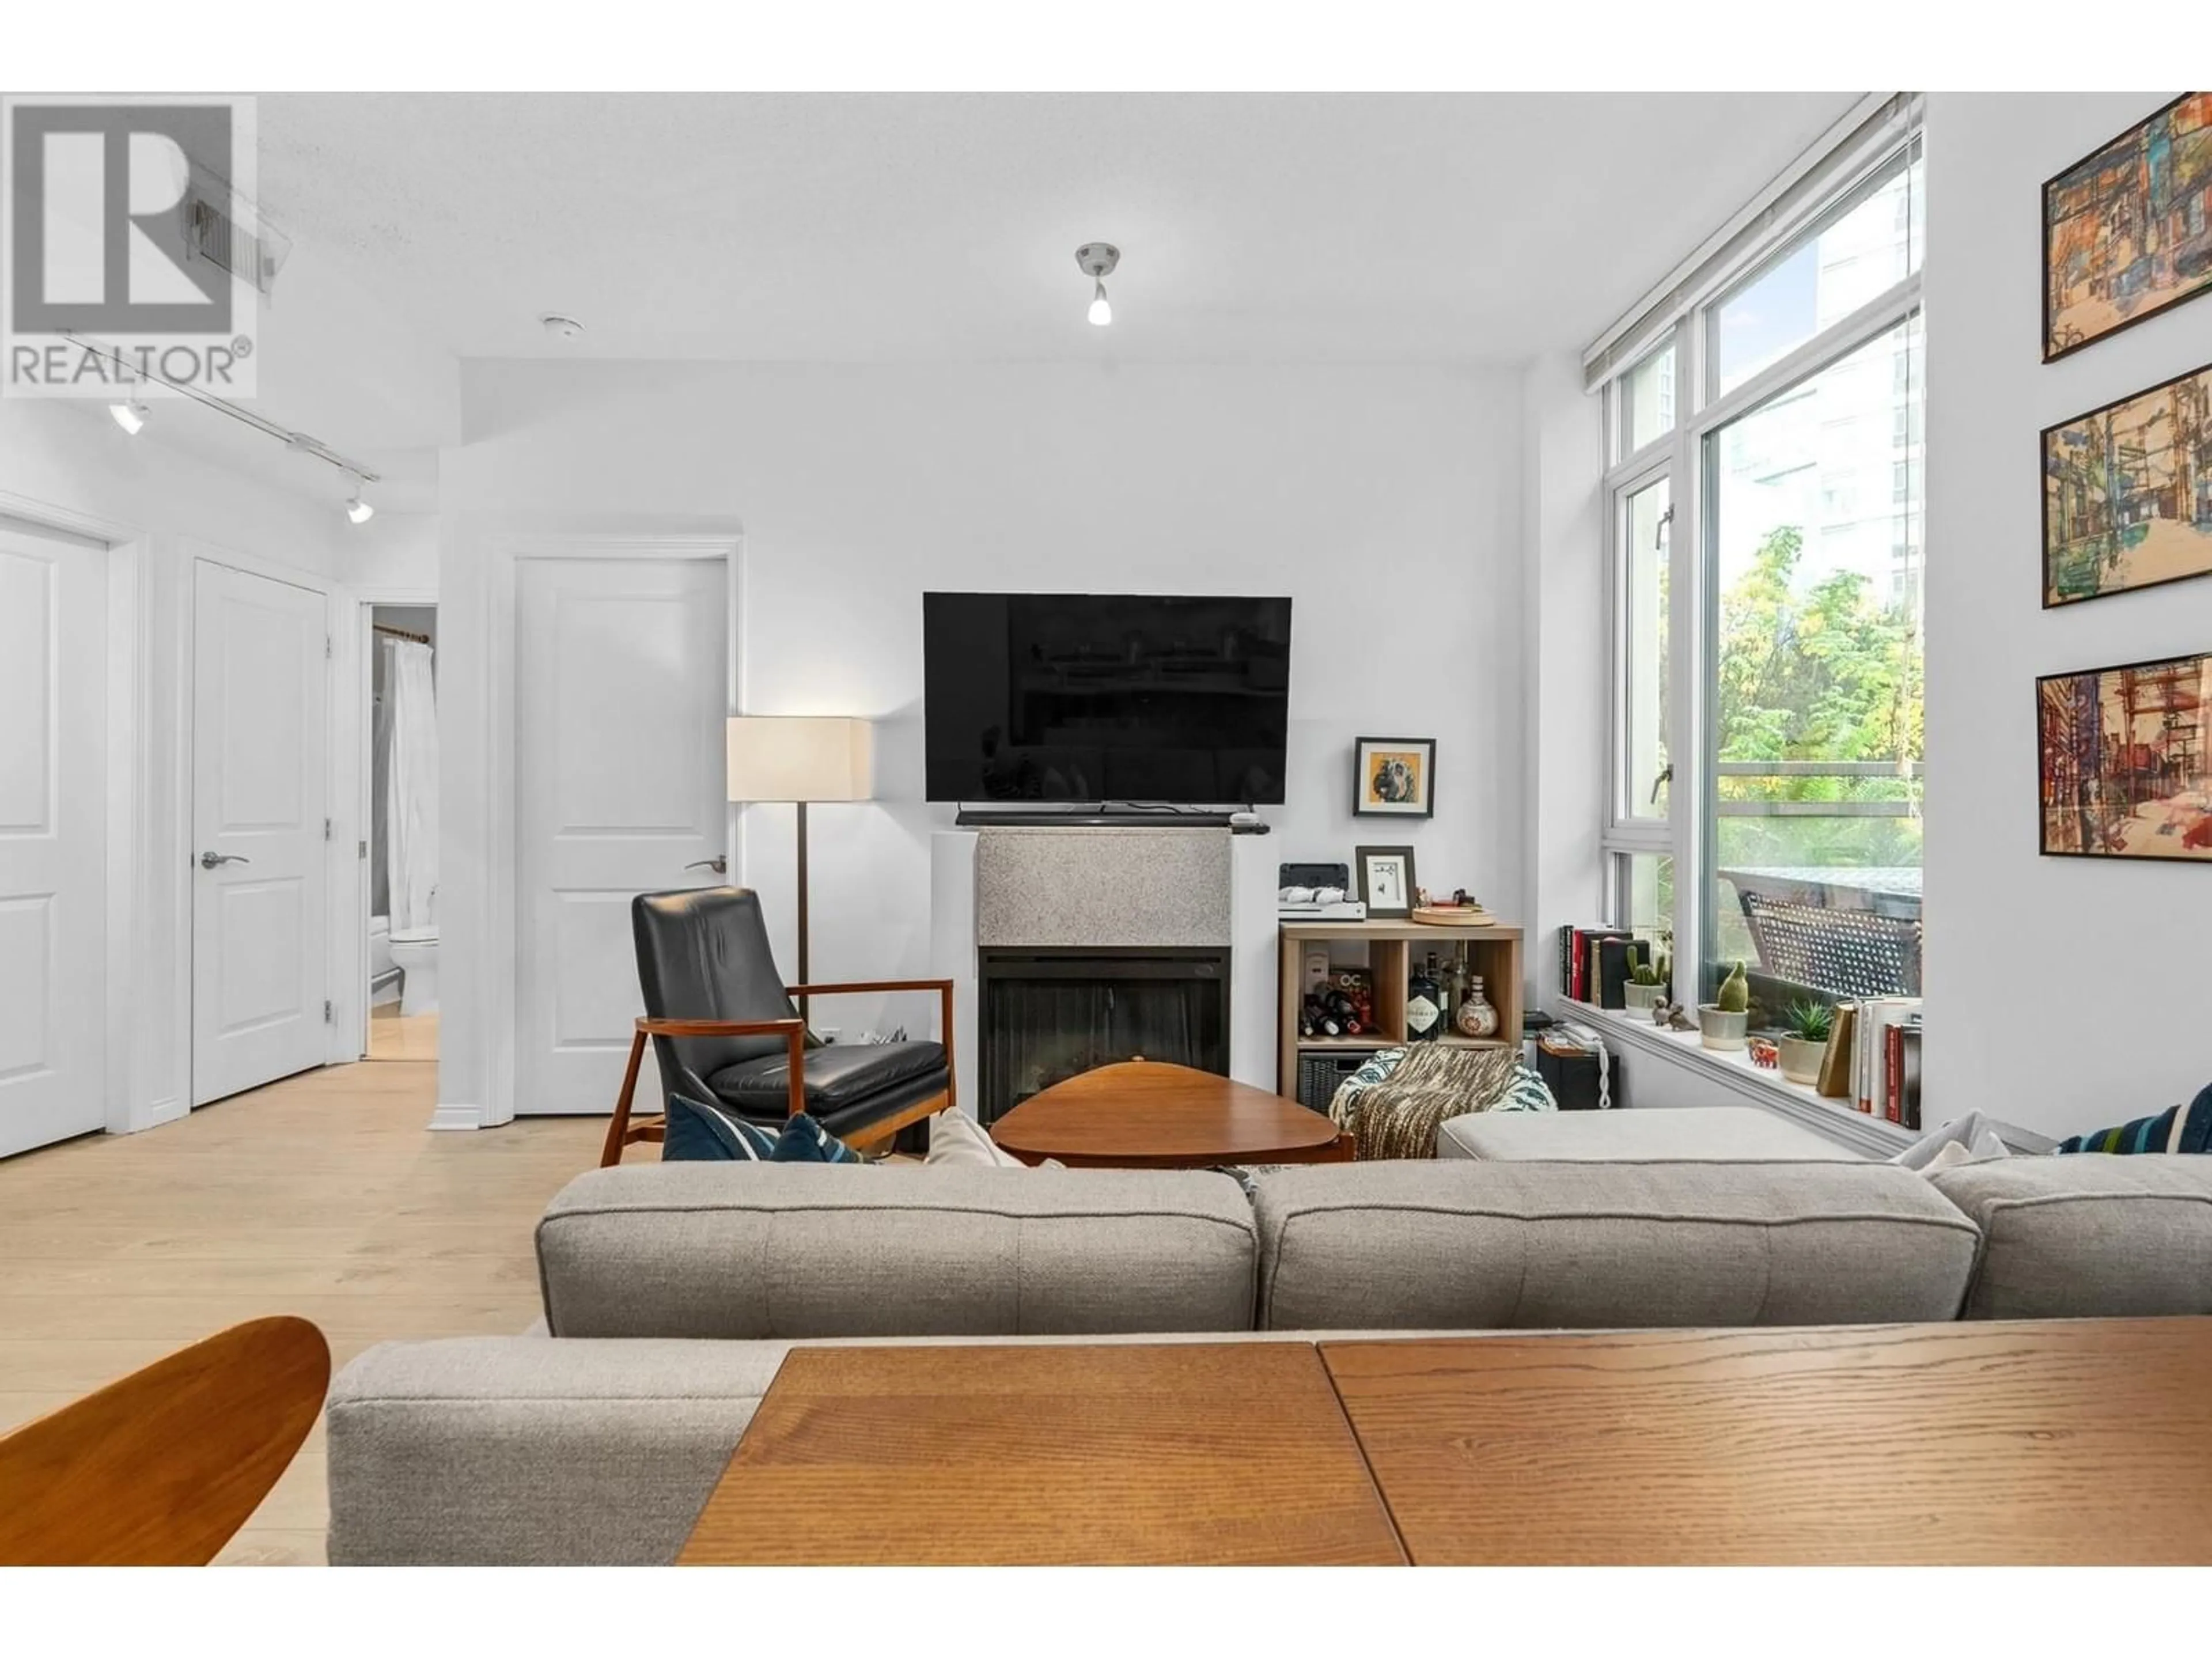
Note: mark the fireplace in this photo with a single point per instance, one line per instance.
(1048, 1013)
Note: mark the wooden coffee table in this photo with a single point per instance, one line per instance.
(2064, 1442)
(1201, 1453)
(1144, 1114)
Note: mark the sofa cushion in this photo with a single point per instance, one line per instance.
(833, 1078)
(1697, 1134)
(2096, 1234)
(1590, 1245)
(513, 1451)
(741, 1250)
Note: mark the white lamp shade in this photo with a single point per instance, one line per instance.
(800, 757)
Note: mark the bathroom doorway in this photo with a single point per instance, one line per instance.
(403, 833)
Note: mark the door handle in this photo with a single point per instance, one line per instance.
(718, 864)
(209, 861)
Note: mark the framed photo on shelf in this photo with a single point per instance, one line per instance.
(2126, 503)
(1386, 882)
(1394, 777)
(2122, 760)
(2113, 221)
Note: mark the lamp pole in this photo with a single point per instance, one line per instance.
(805, 972)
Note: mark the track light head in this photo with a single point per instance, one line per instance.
(357, 509)
(131, 416)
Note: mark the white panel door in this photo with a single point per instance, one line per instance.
(53, 874)
(260, 870)
(621, 693)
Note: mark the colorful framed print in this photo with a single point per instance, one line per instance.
(2122, 760)
(2127, 230)
(1394, 777)
(2127, 493)
(1386, 882)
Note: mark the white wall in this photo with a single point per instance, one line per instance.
(1385, 500)
(392, 553)
(1564, 800)
(2064, 994)
(72, 458)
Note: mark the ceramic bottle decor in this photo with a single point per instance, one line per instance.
(1476, 1017)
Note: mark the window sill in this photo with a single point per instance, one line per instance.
(1846, 1126)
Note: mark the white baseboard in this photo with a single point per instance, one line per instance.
(452, 1116)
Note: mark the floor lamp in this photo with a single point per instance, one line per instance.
(800, 759)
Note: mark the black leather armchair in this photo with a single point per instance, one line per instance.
(724, 1029)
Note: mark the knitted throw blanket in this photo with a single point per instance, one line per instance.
(1393, 1104)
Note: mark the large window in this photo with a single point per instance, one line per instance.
(1766, 555)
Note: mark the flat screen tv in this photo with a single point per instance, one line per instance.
(1077, 698)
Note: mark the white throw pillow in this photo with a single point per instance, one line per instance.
(956, 1138)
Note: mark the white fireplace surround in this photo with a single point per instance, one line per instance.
(1103, 888)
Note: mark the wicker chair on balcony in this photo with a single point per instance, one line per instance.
(1852, 953)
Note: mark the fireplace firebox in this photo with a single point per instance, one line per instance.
(1051, 1013)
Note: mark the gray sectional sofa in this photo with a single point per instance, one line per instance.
(672, 1292)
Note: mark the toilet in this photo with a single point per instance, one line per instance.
(415, 952)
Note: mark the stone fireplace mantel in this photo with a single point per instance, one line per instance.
(1109, 888)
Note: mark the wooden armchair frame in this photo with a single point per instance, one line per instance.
(622, 1131)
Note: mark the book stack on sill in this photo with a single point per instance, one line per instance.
(1594, 964)
(1873, 1061)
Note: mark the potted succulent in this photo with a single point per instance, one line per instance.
(1723, 1022)
(1647, 980)
(1805, 1041)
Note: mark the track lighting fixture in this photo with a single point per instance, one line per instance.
(357, 508)
(1096, 261)
(130, 416)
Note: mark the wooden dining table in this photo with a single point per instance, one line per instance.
(2058, 1442)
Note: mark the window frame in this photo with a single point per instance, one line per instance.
(1687, 831)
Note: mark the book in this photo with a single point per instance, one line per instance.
(1908, 1073)
(1893, 1073)
(1835, 1080)
(1613, 972)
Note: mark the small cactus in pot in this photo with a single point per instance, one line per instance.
(1724, 1021)
(1647, 981)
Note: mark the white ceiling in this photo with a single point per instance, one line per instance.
(942, 228)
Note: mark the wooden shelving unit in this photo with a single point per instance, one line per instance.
(1392, 948)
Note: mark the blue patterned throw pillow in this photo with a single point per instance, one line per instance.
(2177, 1129)
(699, 1133)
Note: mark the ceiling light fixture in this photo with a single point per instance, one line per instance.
(132, 417)
(1096, 261)
(357, 509)
(559, 327)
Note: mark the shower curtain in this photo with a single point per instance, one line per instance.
(410, 799)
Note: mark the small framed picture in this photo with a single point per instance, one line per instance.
(1386, 882)
(1394, 777)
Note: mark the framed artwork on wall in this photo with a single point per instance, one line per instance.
(1386, 882)
(2124, 230)
(2122, 762)
(2127, 493)
(1394, 777)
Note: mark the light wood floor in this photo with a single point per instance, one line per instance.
(322, 1196)
(395, 1036)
